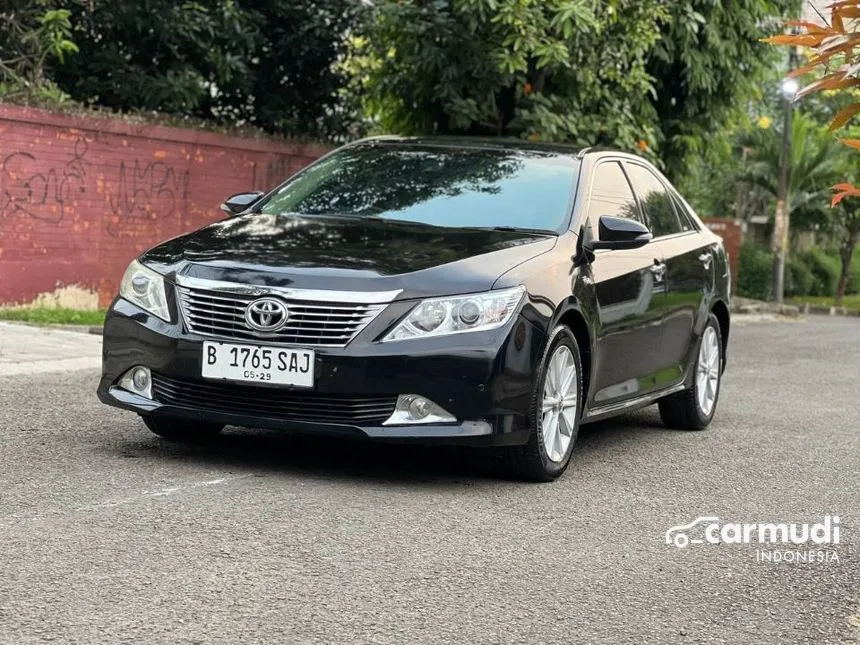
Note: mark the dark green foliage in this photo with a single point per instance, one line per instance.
(708, 62)
(854, 275)
(754, 272)
(816, 161)
(811, 273)
(626, 73)
(268, 63)
(569, 70)
(32, 33)
(799, 278)
(825, 272)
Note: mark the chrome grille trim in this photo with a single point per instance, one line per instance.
(330, 322)
(343, 298)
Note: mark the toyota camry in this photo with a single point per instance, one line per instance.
(431, 290)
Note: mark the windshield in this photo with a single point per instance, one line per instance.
(441, 186)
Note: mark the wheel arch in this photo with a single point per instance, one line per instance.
(721, 312)
(574, 320)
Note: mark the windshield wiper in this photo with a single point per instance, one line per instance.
(517, 229)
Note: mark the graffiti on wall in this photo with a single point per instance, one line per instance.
(81, 196)
(29, 189)
(32, 188)
(146, 191)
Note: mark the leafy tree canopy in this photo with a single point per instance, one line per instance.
(815, 161)
(641, 74)
(708, 63)
(31, 34)
(562, 70)
(267, 62)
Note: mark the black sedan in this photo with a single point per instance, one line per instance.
(434, 290)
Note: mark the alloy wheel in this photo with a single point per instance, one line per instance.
(560, 400)
(708, 371)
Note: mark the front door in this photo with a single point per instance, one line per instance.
(630, 292)
(689, 271)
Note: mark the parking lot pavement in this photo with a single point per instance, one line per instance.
(109, 535)
(25, 349)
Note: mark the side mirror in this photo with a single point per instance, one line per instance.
(619, 233)
(240, 202)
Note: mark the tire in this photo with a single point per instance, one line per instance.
(532, 461)
(684, 410)
(185, 430)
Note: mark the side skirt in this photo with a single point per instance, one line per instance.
(613, 409)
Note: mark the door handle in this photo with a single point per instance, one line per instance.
(705, 258)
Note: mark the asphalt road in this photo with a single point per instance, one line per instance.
(108, 535)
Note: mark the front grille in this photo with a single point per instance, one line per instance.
(222, 313)
(273, 403)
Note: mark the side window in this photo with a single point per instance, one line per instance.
(688, 222)
(611, 194)
(659, 210)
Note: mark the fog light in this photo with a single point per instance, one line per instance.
(138, 380)
(419, 407)
(413, 409)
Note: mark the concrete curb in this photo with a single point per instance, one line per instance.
(80, 329)
(807, 308)
(744, 306)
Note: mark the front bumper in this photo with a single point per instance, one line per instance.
(484, 379)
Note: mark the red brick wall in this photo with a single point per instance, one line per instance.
(80, 197)
(730, 230)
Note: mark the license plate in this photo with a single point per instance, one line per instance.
(258, 363)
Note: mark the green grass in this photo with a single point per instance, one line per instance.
(849, 302)
(53, 316)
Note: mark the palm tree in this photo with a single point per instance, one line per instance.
(816, 161)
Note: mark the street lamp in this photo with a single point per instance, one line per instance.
(789, 88)
(779, 242)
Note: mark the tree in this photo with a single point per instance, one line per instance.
(638, 74)
(814, 161)
(835, 46)
(31, 34)
(706, 66)
(560, 70)
(269, 63)
(849, 235)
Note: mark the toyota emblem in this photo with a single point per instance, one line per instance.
(266, 314)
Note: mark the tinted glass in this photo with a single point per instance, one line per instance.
(659, 210)
(435, 185)
(611, 195)
(688, 222)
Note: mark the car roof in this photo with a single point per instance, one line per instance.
(489, 143)
(502, 143)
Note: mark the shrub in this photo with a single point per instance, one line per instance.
(854, 275)
(754, 272)
(812, 273)
(798, 277)
(824, 268)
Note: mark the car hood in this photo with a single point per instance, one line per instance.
(349, 253)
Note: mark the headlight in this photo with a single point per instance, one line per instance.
(456, 314)
(145, 288)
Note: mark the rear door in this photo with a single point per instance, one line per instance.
(689, 269)
(628, 286)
